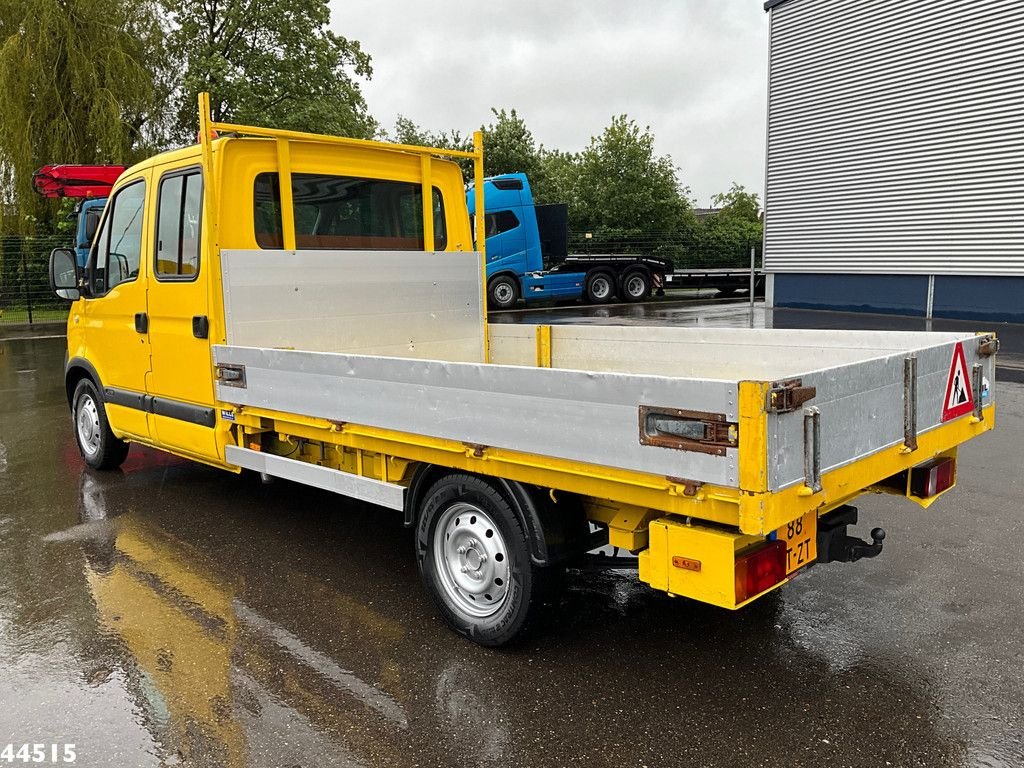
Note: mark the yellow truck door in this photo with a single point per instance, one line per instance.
(115, 314)
(181, 378)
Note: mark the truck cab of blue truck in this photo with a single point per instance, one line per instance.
(528, 258)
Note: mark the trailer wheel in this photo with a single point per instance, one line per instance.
(600, 287)
(636, 285)
(475, 561)
(99, 446)
(503, 292)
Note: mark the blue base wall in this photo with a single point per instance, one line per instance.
(970, 298)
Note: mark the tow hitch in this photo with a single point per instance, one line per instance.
(835, 546)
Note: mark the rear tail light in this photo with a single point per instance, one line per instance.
(932, 478)
(760, 570)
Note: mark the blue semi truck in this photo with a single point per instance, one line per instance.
(527, 253)
(527, 257)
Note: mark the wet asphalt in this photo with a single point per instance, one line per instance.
(172, 614)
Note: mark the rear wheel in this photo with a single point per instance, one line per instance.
(474, 559)
(99, 446)
(600, 287)
(503, 292)
(636, 285)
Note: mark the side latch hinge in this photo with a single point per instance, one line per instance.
(787, 396)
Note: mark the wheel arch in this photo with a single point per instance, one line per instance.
(79, 368)
(505, 273)
(555, 530)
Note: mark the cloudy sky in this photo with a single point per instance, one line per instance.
(694, 70)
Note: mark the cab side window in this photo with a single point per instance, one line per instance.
(178, 225)
(119, 244)
(345, 212)
(499, 222)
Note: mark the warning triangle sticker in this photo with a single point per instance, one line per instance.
(959, 397)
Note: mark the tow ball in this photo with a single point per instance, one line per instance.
(836, 546)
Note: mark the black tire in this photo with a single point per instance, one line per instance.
(98, 445)
(599, 287)
(636, 286)
(503, 292)
(485, 547)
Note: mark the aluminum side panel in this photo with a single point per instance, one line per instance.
(579, 416)
(403, 303)
(862, 408)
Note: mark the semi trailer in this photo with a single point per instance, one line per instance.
(528, 257)
(314, 308)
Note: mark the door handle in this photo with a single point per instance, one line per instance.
(141, 322)
(201, 326)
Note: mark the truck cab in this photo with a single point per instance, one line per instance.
(87, 222)
(514, 241)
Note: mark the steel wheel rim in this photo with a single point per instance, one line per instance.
(601, 287)
(88, 425)
(472, 566)
(503, 293)
(635, 286)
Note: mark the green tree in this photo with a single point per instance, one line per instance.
(559, 174)
(408, 132)
(738, 203)
(268, 62)
(626, 195)
(726, 237)
(81, 81)
(509, 147)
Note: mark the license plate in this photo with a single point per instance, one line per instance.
(801, 537)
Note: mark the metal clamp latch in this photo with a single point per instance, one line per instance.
(989, 346)
(231, 375)
(787, 396)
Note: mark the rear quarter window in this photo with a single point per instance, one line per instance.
(346, 213)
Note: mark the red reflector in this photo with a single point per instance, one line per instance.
(932, 478)
(760, 570)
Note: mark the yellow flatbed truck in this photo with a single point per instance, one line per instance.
(313, 308)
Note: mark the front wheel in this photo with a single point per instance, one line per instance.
(503, 292)
(99, 446)
(474, 559)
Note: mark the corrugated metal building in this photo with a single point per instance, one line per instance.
(895, 166)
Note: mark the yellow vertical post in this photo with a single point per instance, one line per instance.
(284, 175)
(210, 236)
(428, 204)
(753, 454)
(481, 228)
(543, 346)
(206, 160)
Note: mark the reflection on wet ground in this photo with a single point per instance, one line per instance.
(172, 614)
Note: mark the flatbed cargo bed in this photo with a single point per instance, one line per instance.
(593, 395)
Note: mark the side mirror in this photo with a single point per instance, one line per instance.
(64, 274)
